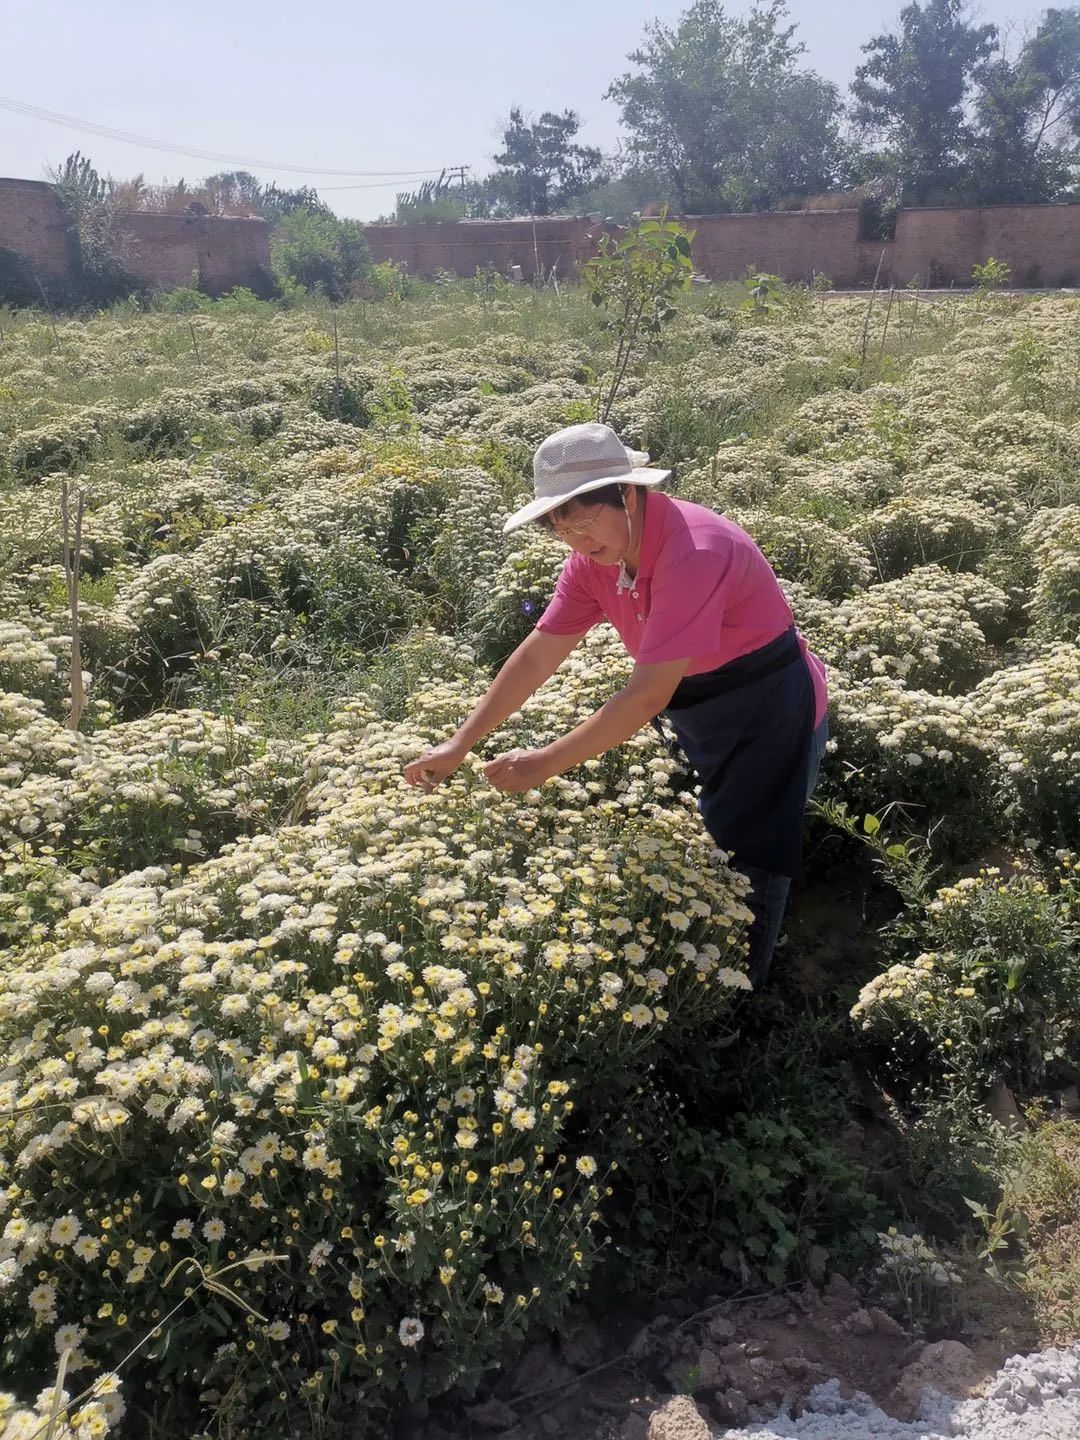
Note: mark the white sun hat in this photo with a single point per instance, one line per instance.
(576, 460)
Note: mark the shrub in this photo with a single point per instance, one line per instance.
(322, 253)
(997, 997)
(1027, 717)
(1038, 1171)
(31, 665)
(1053, 540)
(173, 786)
(348, 1058)
(928, 628)
(91, 212)
(914, 1280)
(828, 562)
(519, 593)
(18, 284)
(891, 745)
(924, 530)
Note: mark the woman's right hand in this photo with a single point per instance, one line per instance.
(434, 765)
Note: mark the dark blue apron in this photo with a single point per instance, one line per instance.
(746, 730)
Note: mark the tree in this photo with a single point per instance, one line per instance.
(1027, 111)
(636, 280)
(315, 249)
(911, 97)
(238, 192)
(721, 110)
(541, 169)
(91, 214)
(626, 194)
(439, 199)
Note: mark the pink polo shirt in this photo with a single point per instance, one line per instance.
(703, 589)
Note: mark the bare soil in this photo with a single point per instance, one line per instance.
(740, 1359)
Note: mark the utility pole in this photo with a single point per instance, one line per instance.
(460, 171)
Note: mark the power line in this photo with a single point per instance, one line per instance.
(367, 185)
(90, 127)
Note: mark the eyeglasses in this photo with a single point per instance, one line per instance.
(565, 531)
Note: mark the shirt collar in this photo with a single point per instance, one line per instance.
(657, 508)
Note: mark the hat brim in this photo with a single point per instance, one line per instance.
(535, 508)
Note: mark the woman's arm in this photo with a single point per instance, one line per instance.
(644, 695)
(535, 660)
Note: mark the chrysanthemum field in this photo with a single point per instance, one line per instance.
(317, 1092)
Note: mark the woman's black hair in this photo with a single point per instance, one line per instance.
(610, 495)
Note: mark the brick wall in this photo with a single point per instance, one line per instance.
(166, 251)
(461, 245)
(161, 250)
(1040, 244)
(32, 224)
(793, 244)
(233, 252)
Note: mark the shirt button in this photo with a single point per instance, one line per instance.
(634, 593)
(637, 617)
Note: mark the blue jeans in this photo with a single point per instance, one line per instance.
(768, 897)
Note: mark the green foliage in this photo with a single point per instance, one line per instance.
(995, 996)
(751, 1183)
(625, 196)
(911, 96)
(1027, 363)
(388, 280)
(990, 276)
(541, 168)
(765, 294)
(635, 280)
(85, 198)
(721, 111)
(1030, 1227)
(433, 200)
(18, 285)
(325, 255)
(235, 190)
(1027, 114)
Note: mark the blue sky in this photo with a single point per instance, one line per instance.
(346, 86)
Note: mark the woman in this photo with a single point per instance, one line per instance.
(716, 652)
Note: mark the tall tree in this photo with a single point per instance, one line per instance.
(91, 213)
(231, 191)
(720, 109)
(541, 167)
(1028, 117)
(912, 94)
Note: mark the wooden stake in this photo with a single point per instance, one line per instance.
(72, 573)
(885, 328)
(48, 307)
(869, 311)
(337, 373)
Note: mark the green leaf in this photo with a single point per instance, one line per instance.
(871, 824)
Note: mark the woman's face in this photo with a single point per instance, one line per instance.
(598, 531)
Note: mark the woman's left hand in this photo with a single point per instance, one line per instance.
(518, 770)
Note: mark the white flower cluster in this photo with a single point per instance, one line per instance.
(926, 628)
(286, 1005)
(911, 1256)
